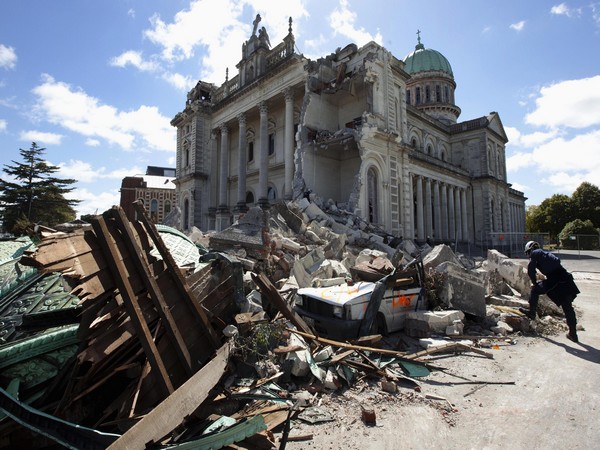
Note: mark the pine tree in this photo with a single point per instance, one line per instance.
(34, 194)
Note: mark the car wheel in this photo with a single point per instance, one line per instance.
(381, 325)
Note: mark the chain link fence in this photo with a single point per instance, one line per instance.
(513, 244)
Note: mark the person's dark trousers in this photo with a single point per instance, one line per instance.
(539, 288)
(542, 287)
(567, 307)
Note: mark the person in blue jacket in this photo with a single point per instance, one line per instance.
(559, 285)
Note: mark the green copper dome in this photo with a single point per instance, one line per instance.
(425, 60)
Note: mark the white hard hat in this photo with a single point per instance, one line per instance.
(531, 245)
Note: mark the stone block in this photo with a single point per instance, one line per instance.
(433, 321)
(438, 255)
(335, 246)
(314, 212)
(463, 289)
(502, 328)
(511, 270)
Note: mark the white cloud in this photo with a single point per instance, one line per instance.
(571, 103)
(3, 125)
(518, 26)
(576, 159)
(84, 172)
(92, 203)
(215, 26)
(207, 22)
(520, 187)
(92, 143)
(180, 82)
(131, 13)
(564, 10)
(516, 138)
(135, 59)
(141, 129)
(8, 57)
(566, 183)
(518, 161)
(342, 21)
(577, 154)
(41, 137)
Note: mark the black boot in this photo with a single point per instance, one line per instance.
(572, 337)
(530, 314)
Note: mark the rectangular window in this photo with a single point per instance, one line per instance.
(418, 99)
(408, 96)
(438, 93)
(250, 151)
(271, 144)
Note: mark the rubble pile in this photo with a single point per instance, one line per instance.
(159, 352)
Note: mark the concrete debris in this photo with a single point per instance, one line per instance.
(160, 338)
(464, 289)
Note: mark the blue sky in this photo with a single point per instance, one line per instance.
(96, 82)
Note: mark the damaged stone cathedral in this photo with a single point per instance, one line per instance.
(377, 135)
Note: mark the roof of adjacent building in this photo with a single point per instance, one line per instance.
(158, 182)
(425, 60)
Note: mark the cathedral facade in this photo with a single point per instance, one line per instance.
(377, 135)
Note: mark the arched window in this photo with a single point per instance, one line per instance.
(167, 207)
(154, 210)
(413, 142)
(372, 184)
(271, 132)
(249, 198)
(186, 154)
(271, 194)
(186, 214)
(429, 150)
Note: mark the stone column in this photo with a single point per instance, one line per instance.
(288, 136)
(451, 220)
(223, 209)
(223, 167)
(445, 235)
(437, 211)
(457, 214)
(242, 144)
(465, 214)
(428, 208)
(263, 151)
(420, 221)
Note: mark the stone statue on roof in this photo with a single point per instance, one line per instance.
(255, 23)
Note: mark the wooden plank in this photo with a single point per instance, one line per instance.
(272, 294)
(120, 275)
(174, 409)
(178, 278)
(153, 290)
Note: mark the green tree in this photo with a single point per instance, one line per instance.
(586, 200)
(32, 194)
(551, 215)
(588, 235)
